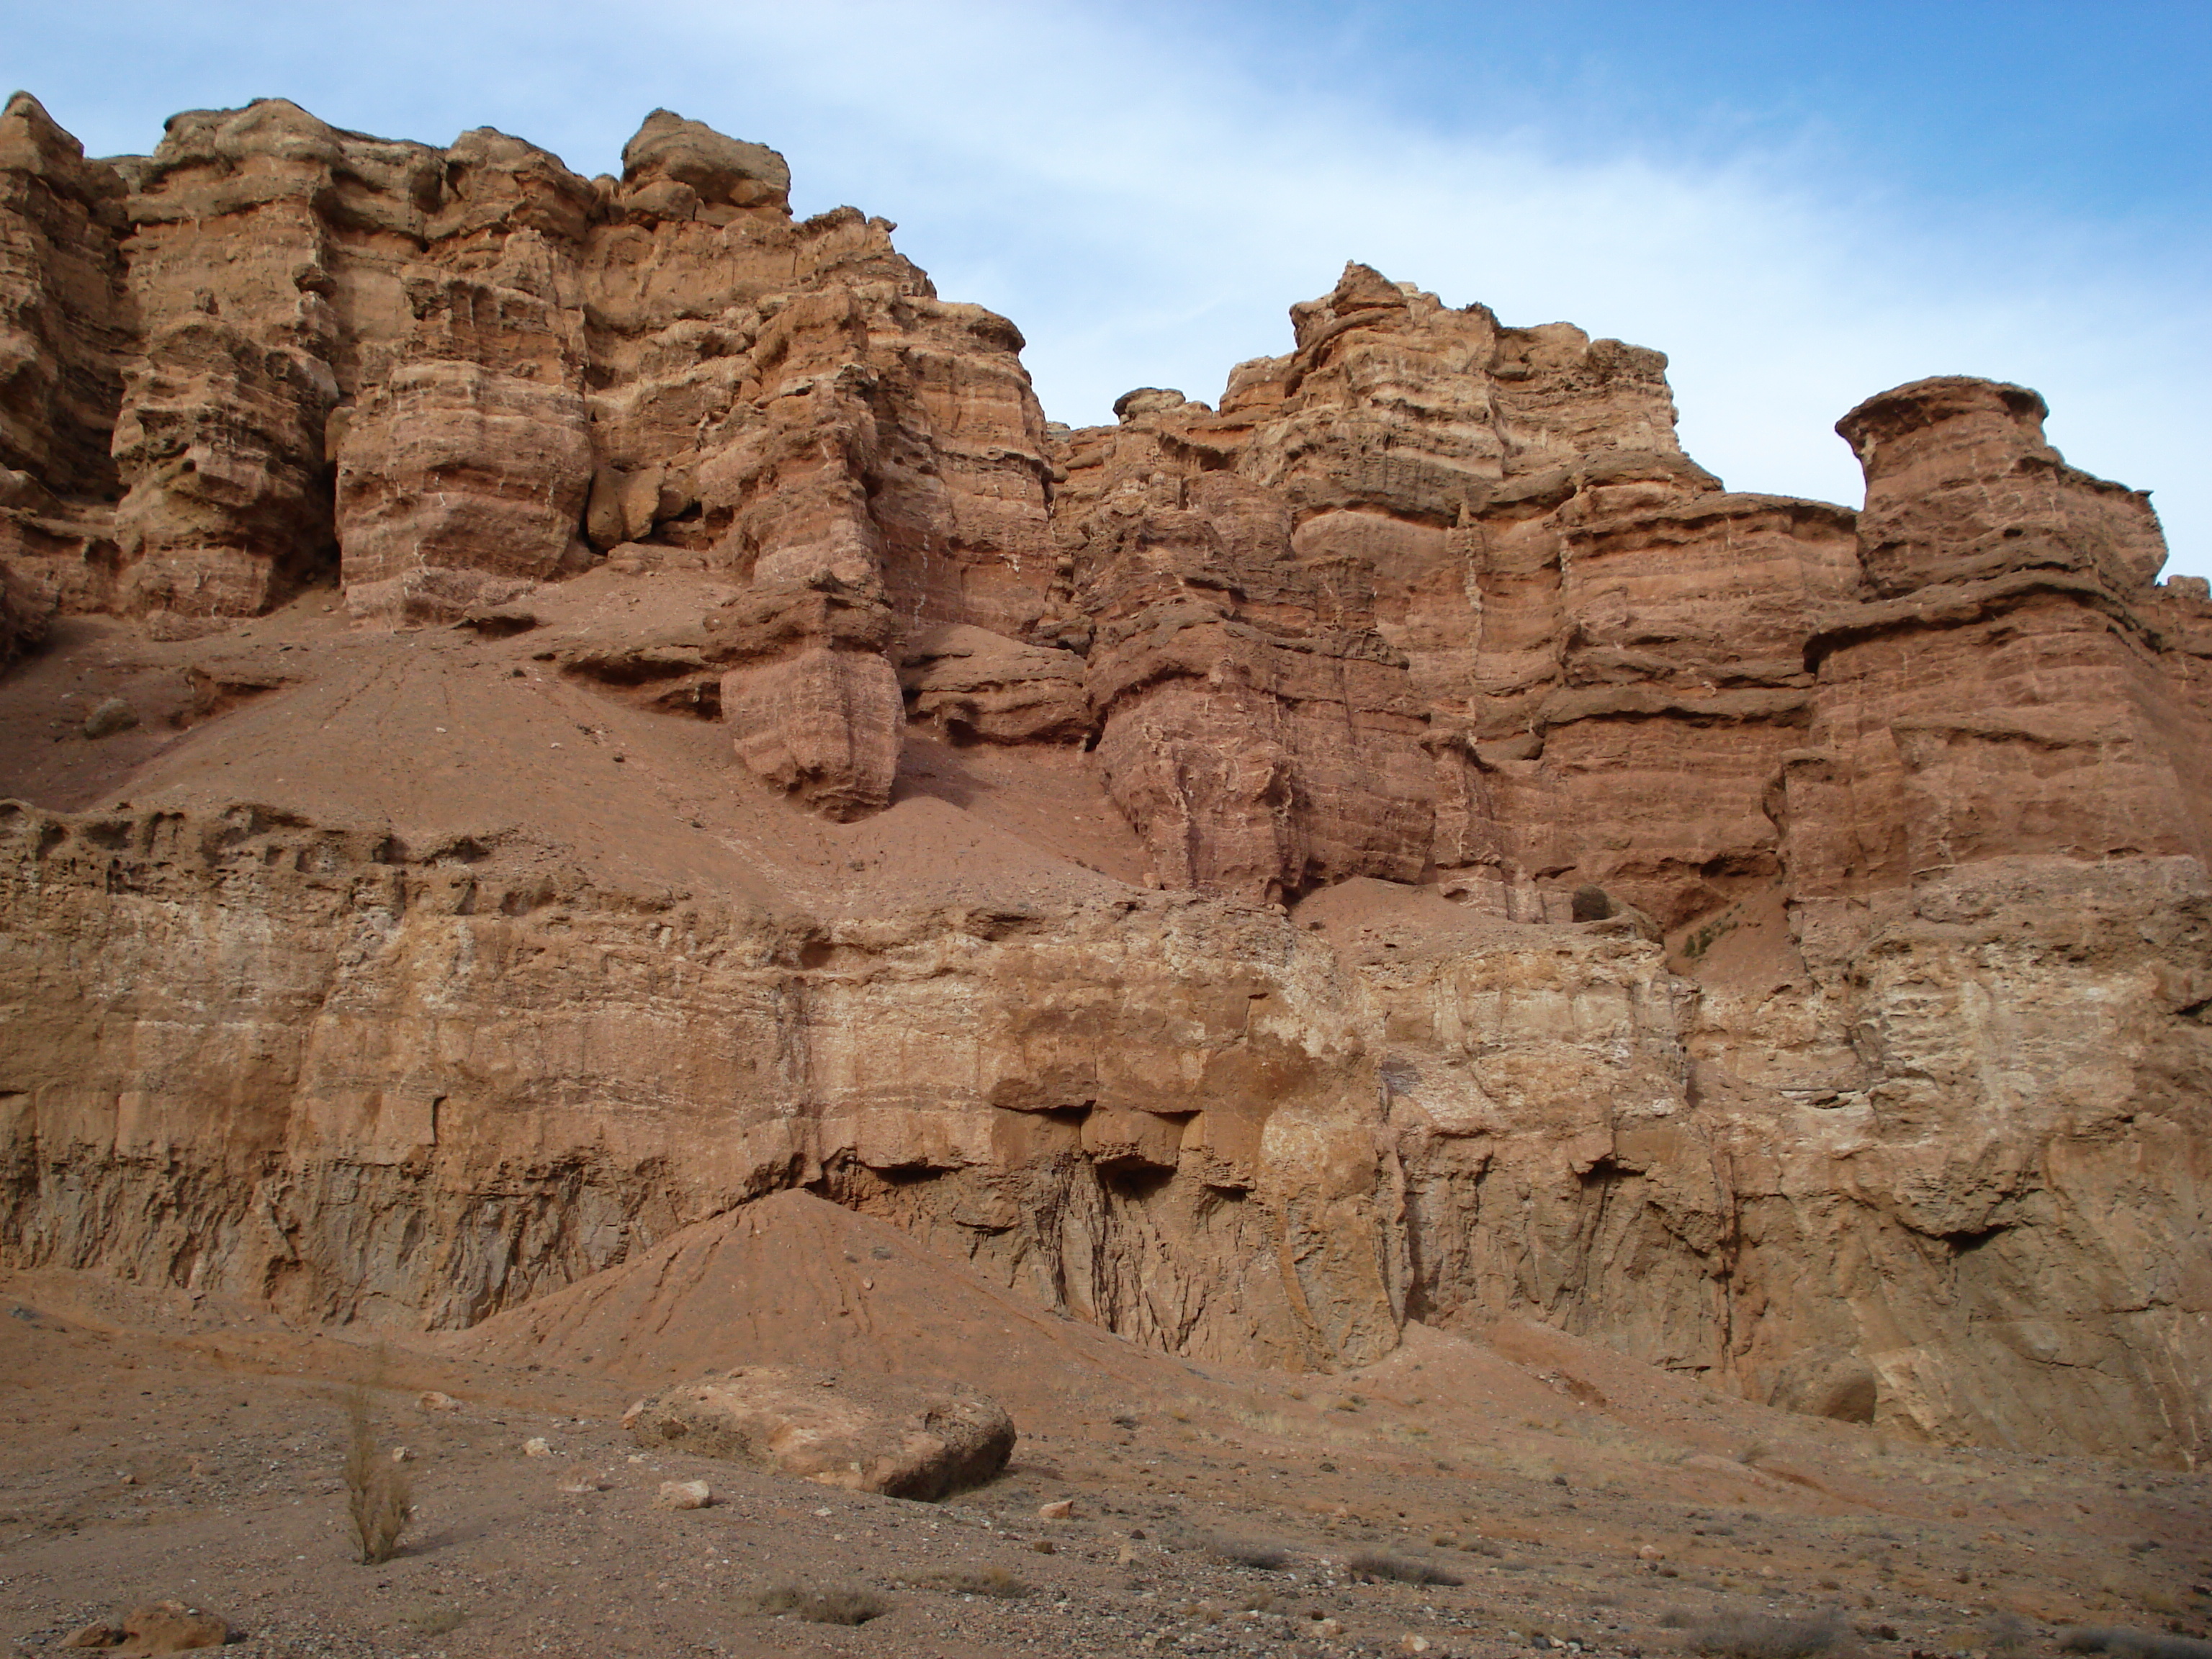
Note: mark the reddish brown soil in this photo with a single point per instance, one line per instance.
(446, 733)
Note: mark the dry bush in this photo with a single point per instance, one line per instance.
(1401, 1569)
(379, 1497)
(2131, 1644)
(990, 1581)
(1752, 1636)
(838, 1605)
(1246, 1552)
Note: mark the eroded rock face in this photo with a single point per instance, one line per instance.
(64, 315)
(946, 1069)
(459, 372)
(1961, 486)
(1773, 938)
(27, 610)
(969, 682)
(1216, 1130)
(900, 1438)
(1432, 595)
(812, 704)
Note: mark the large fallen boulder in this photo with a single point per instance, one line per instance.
(884, 1435)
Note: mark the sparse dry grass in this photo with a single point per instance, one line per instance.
(1753, 1636)
(1258, 1553)
(1375, 1565)
(839, 1604)
(2127, 1644)
(995, 1582)
(1276, 1425)
(379, 1499)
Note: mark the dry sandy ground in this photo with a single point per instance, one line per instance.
(154, 1447)
(435, 734)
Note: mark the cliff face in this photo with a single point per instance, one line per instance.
(1404, 843)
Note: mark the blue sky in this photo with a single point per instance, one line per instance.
(1800, 203)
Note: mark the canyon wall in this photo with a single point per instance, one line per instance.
(1771, 938)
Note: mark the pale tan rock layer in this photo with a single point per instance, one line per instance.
(1873, 1081)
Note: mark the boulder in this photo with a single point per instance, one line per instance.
(900, 1438)
(715, 169)
(111, 716)
(973, 684)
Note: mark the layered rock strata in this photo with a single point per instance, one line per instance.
(1773, 938)
(462, 371)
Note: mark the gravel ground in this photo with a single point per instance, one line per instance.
(198, 1458)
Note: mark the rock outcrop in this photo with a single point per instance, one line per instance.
(64, 316)
(1773, 938)
(812, 703)
(461, 372)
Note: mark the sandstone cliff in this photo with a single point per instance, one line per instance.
(638, 710)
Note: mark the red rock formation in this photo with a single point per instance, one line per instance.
(63, 326)
(1257, 731)
(2003, 685)
(1773, 938)
(969, 682)
(813, 707)
(462, 370)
